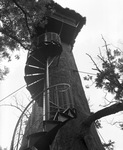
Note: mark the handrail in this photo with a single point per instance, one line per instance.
(33, 99)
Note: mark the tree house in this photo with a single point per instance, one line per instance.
(49, 42)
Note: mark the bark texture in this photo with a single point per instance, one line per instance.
(74, 135)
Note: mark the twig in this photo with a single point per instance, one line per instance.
(100, 53)
(106, 47)
(94, 63)
(11, 105)
(12, 93)
(19, 134)
(101, 58)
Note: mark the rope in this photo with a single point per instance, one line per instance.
(12, 93)
(84, 72)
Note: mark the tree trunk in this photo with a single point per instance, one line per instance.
(74, 135)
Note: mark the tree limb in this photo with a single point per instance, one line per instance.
(115, 80)
(106, 45)
(94, 63)
(14, 38)
(25, 14)
(115, 108)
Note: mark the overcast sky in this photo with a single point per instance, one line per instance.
(103, 17)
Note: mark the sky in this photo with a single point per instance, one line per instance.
(103, 17)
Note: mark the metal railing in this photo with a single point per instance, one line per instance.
(55, 105)
(48, 37)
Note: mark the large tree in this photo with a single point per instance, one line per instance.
(18, 19)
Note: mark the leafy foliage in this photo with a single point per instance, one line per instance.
(109, 77)
(88, 77)
(98, 124)
(17, 21)
(3, 72)
(121, 126)
(109, 145)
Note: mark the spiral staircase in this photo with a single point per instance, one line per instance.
(47, 51)
(62, 24)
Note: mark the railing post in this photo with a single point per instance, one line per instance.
(57, 97)
(47, 96)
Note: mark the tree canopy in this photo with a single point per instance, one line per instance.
(109, 76)
(17, 21)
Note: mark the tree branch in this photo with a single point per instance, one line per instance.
(115, 108)
(14, 106)
(14, 38)
(115, 80)
(25, 14)
(97, 68)
(106, 45)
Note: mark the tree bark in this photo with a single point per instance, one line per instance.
(74, 135)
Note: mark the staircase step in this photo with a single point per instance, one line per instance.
(33, 138)
(39, 140)
(52, 133)
(42, 143)
(50, 124)
(71, 112)
(74, 111)
(62, 117)
(28, 148)
(42, 140)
